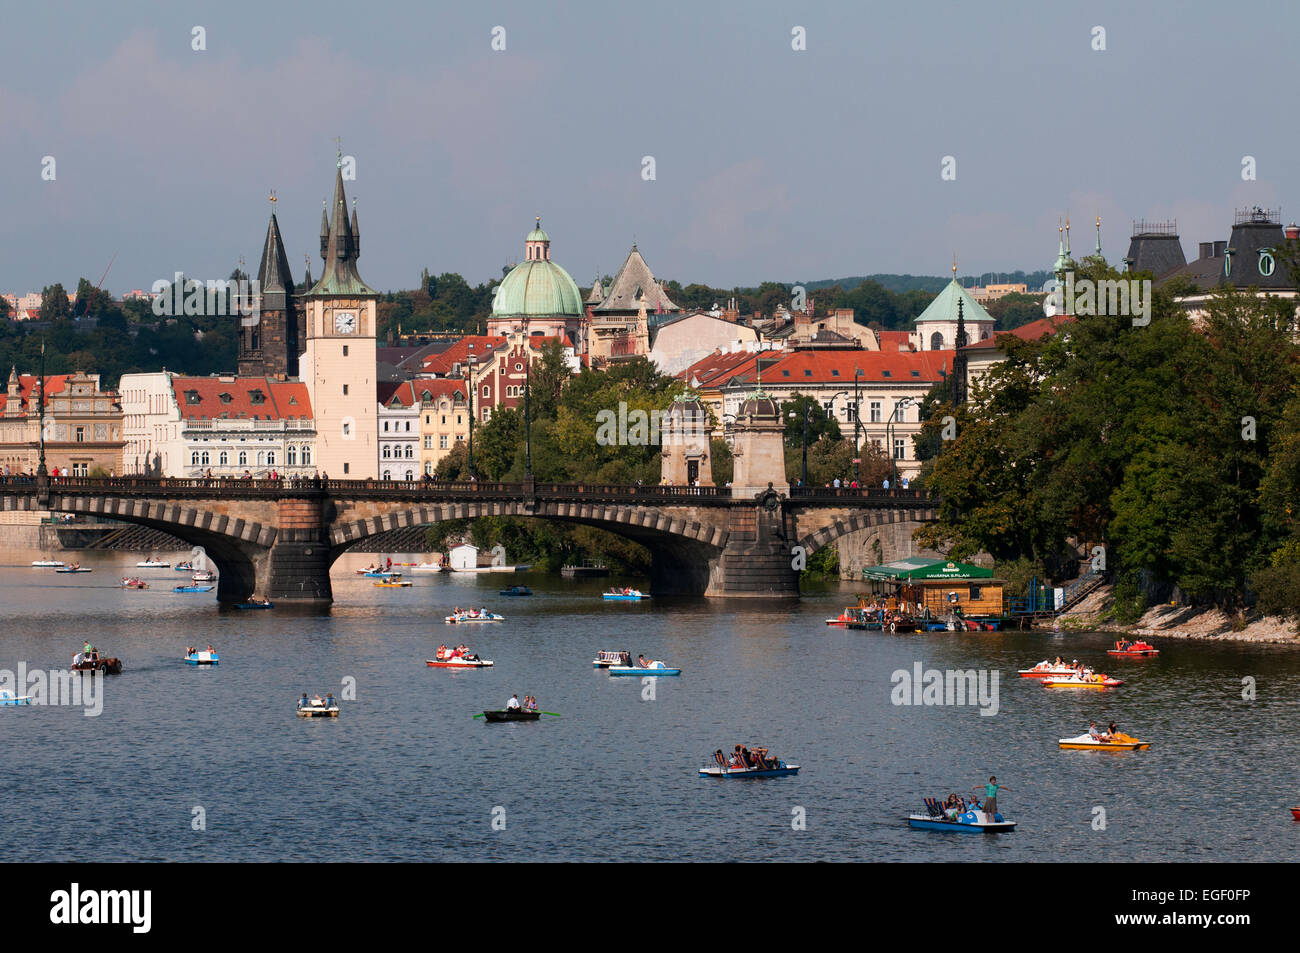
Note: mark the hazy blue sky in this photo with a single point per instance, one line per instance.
(770, 163)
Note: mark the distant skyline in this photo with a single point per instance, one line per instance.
(770, 163)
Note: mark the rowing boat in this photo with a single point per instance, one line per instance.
(512, 714)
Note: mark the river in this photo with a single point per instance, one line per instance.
(198, 764)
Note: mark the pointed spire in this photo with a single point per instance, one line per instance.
(306, 281)
(1067, 236)
(356, 231)
(324, 226)
(273, 273)
(1098, 236)
(339, 247)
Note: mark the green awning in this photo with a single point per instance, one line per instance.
(921, 568)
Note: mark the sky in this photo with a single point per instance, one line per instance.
(769, 163)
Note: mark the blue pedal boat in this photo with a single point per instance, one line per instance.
(717, 771)
(968, 822)
(193, 588)
(634, 595)
(654, 668)
(202, 658)
(382, 574)
(9, 698)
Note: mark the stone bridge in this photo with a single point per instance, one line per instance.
(278, 538)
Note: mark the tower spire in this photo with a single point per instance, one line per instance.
(1098, 236)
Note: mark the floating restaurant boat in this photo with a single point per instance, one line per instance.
(193, 588)
(653, 668)
(134, 583)
(516, 591)
(317, 707)
(153, 564)
(512, 714)
(624, 595)
(1091, 680)
(763, 767)
(203, 657)
(970, 821)
(75, 567)
(475, 617)
(9, 698)
(606, 658)
(46, 563)
(1121, 742)
(448, 658)
(1139, 649)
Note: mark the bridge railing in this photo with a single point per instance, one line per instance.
(857, 493)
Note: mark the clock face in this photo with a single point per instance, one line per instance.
(345, 322)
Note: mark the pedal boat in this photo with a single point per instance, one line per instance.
(378, 573)
(152, 564)
(1138, 649)
(1295, 811)
(512, 714)
(73, 569)
(481, 617)
(134, 584)
(969, 822)
(1087, 681)
(268, 604)
(459, 661)
(193, 588)
(1046, 670)
(654, 668)
(780, 771)
(1121, 742)
(608, 658)
(516, 591)
(632, 595)
(316, 708)
(9, 698)
(395, 581)
(202, 658)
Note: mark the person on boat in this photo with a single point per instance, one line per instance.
(991, 796)
(1112, 732)
(210, 649)
(532, 703)
(329, 700)
(735, 761)
(1093, 733)
(303, 703)
(513, 704)
(641, 662)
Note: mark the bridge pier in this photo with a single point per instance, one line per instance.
(296, 567)
(757, 561)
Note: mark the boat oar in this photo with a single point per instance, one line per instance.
(551, 713)
(481, 715)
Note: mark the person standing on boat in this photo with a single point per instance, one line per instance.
(991, 796)
(513, 704)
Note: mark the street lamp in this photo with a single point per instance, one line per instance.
(889, 442)
(804, 479)
(40, 467)
(857, 419)
(528, 420)
(469, 366)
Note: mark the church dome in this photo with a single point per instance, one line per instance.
(760, 405)
(537, 286)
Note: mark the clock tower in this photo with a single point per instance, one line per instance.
(338, 361)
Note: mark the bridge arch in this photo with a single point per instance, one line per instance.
(896, 521)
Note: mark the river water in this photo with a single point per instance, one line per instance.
(189, 763)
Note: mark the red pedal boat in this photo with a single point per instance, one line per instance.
(1295, 813)
(1138, 649)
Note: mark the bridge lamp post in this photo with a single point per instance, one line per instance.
(528, 418)
(41, 471)
(889, 441)
(857, 422)
(804, 479)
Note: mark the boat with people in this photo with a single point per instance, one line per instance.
(9, 698)
(318, 707)
(1104, 742)
(73, 567)
(516, 591)
(625, 594)
(1295, 813)
(192, 588)
(458, 656)
(957, 815)
(1126, 648)
(186, 566)
(380, 574)
(255, 603)
(46, 563)
(89, 660)
(512, 714)
(134, 582)
(607, 657)
(203, 575)
(196, 656)
(1083, 680)
(153, 562)
(744, 763)
(473, 615)
(1056, 669)
(393, 581)
(643, 667)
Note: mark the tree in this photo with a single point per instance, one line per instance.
(54, 303)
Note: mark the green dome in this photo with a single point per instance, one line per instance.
(537, 235)
(537, 288)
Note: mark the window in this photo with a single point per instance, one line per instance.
(306, 456)
(442, 442)
(191, 397)
(428, 441)
(345, 350)
(875, 412)
(936, 341)
(347, 429)
(81, 469)
(203, 458)
(410, 475)
(835, 372)
(900, 411)
(194, 458)
(256, 397)
(975, 592)
(460, 438)
(291, 456)
(243, 458)
(408, 426)
(345, 468)
(261, 458)
(487, 390)
(388, 474)
(345, 390)
(1265, 264)
(428, 468)
(387, 452)
(410, 451)
(900, 448)
(81, 435)
(223, 458)
(270, 458)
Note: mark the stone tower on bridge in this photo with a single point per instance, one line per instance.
(760, 448)
(686, 433)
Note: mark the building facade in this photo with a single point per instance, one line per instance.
(82, 429)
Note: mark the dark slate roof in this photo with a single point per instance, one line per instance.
(1204, 273)
(1158, 254)
(339, 275)
(273, 275)
(633, 282)
(1249, 241)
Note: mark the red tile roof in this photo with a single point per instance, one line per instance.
(1032, 331)
(54, 384)
(476, 344)
(823, 367)
(719, 366)
(895, 340)
(409, 393)
(280, 400)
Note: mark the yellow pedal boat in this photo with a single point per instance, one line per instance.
(1121, 742)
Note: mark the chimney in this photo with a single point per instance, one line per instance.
(1292, 231)
(1220, 249)
(1207, 250)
